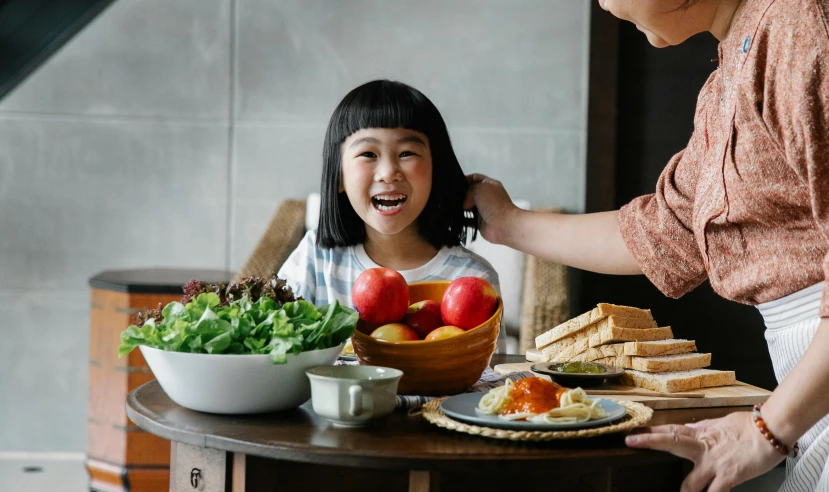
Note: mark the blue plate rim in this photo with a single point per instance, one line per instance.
(494, 422)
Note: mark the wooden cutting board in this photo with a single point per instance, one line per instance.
(736, 395)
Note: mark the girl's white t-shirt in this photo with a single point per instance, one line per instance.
(321, 275)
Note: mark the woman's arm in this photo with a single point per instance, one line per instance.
(589, 241)
(802, 398)
(730, 450)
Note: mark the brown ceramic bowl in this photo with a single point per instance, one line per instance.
(440, 367)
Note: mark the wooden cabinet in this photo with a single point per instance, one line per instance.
(120, 455)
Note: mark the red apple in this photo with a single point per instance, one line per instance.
(395, 332)
(444, 332)
(468, 302)
(423, 317)
(380, 295)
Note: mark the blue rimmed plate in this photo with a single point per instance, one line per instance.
(462, 407)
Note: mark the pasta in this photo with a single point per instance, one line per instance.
(496, 399)
(536, 400)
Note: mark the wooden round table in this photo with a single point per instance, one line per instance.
(298, 451)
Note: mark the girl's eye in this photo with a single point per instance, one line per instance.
(370, 155)
(407, 153)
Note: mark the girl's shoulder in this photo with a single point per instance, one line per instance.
(308, 244)
(462, 257)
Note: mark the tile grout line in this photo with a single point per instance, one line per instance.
(294, 122)
(110, 118)
(231, 133)
(41, 456)
(584, 121)
(254, 123)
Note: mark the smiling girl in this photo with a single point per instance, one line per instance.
(392, 195)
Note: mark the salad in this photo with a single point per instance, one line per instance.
(254, 316)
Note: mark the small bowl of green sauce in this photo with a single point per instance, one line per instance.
(578, 374)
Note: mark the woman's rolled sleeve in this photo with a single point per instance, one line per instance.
(657, 230)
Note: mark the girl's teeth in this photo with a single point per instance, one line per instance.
(388, 202)
(387, 207)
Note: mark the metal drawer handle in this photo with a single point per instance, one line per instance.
(195, 475)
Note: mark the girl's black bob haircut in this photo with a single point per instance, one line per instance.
(390, 104)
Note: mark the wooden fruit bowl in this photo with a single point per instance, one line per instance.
(440, 367)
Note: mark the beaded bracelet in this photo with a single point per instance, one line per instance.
(779, 446)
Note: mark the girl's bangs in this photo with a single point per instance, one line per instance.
(381, 109)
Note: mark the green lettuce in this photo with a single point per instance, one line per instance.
(206, 326)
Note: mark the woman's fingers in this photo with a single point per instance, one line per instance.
(493, 203)
(678, 440)
(667, 429)
(702, 424)
(475, 178)
(469, 201)
(483, 191)
(697, 480)
(719, 485)
(472, 179)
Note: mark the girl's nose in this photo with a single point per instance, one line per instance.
(388, 170)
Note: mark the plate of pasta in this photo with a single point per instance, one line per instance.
(532, 404)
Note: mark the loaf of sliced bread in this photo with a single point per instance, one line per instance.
(662, 363)
(672, 382)
(578, 342)
(601, 311)
(611, 334)
(656, 347)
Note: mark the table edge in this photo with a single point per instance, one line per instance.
(155, 424)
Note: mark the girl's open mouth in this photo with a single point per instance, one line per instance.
(388, 204)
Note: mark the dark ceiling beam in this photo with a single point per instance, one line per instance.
(33, 30)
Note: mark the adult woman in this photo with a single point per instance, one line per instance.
(745, 205)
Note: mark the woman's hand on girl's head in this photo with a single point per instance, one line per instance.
(725, 451)
(494, 206)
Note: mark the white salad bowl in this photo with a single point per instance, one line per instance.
(236, 383)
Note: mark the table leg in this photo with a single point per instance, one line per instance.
(239, 479)
(420, 480)
(201, 469)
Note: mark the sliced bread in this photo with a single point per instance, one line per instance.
(611, 333)
(602, 310)
(671, 382)
(578, 342)
(591, 354)
(534, 355)
(595, 353)
(653, 348)
(663, 363)
(657, 347)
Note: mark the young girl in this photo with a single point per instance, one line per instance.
(745, 206)
(392, 195)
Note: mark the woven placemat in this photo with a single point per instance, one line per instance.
(637, 415)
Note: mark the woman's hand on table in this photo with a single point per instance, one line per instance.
(494, 206)
(725, 451)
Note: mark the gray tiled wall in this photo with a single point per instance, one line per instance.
(117, 152)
